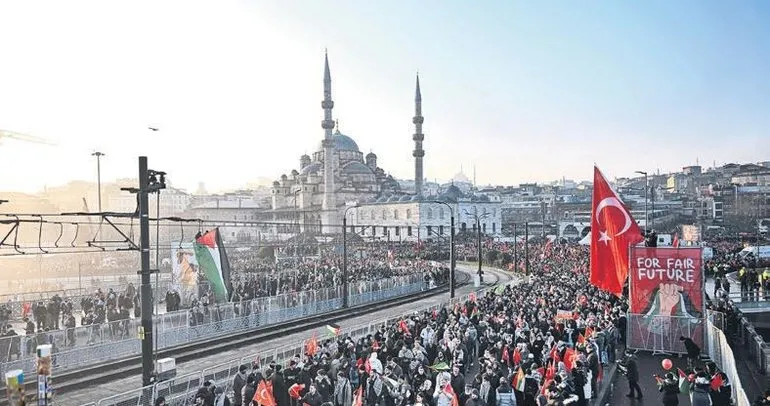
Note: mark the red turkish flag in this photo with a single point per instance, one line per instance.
(613, 230)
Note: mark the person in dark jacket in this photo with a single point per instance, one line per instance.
(693, 351)
(670, 389)
(280, 389)
(248, 391)
(312, 397)
(632, 374)
(238, 383)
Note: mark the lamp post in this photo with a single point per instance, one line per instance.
(515, 249)
(526, 247)
(646, 188)
(98, 156)
(150, 181)
(478, 219)
(296, 223)
(451, 247)
(345, 257)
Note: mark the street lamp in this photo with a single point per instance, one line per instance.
(646, 188)
(98, 156)
(451, 247)
(345, 256)
(478, 217)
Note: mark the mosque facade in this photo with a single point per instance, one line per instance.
(313, 198)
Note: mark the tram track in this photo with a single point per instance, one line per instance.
(113, 371)
(97, 382)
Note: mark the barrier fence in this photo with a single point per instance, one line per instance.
(89, 345)
(661, 333)
(179, 391)
(722, 355)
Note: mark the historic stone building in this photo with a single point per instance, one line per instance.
(313, 198)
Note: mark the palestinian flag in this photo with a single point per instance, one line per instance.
(212, 261)
(334, 329)
(684, 382)
(441, 366)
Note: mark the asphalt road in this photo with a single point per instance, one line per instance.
(97, 392)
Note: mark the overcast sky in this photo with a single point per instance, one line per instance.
(525, 90)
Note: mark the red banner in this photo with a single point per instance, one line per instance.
(666, 298)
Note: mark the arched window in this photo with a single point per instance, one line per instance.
(384, 214)
(429, 215)
(395, 214)
(441, 213)
(408, 214)
(372, 214)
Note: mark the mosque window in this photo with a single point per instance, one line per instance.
(429, 215)
(440, 230)
(409, 231)
(372, 215)
(441, 213)
(494, 228)
(395, 214)
(384, 214)
(408, 214)
(398, 231)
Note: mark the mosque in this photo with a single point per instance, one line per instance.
(314, 197)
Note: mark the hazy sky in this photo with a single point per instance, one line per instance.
(526, 90)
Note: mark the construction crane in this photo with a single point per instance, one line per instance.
(23, 137)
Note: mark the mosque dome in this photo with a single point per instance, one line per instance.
(452, 193)
(312, 168)
(357, 168)
(342, 143)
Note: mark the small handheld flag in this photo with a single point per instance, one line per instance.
(334, 329)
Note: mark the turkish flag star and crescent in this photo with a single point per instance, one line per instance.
(613, 230)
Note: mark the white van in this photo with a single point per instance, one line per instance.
(760, 252)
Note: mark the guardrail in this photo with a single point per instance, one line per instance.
(722, 355)
(89, 345)
(179, 390)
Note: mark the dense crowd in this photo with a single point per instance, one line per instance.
(544, 341)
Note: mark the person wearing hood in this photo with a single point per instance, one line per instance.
(280, 389)
(700, 392)
(343, 392)
(375, 363)
(238, 383)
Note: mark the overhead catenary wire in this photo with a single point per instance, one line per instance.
(126, 229)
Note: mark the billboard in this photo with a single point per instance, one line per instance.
(690, 233)
(184, 272)
(666, 298)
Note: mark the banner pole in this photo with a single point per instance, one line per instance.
(629, 328)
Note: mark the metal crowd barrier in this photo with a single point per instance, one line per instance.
(88, 345)
(179, 391)
(722, 355)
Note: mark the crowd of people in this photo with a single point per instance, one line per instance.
(543, 341)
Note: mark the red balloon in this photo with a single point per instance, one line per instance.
(667, 364)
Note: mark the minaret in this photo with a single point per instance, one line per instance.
(329, 200)
(418, 137)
